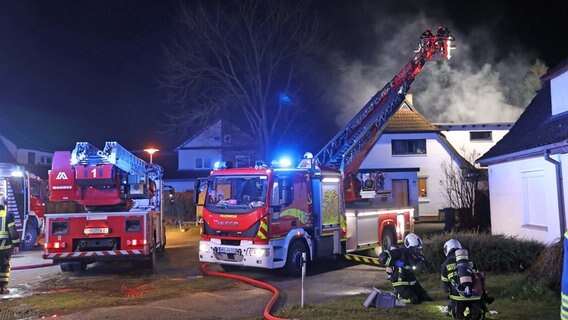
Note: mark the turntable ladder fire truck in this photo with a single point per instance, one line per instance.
(268, 216)
(122, 196)
(25, 195)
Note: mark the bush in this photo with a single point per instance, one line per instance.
(548, 267)
(494, 253)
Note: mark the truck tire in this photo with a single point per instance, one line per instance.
(65, 266)
(78, 267)
(293, 265)
(388, 239)
(30, 238)
(150, 263)
(162, 246)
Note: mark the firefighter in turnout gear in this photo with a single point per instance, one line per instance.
(463, 283)
(401, 264)
(9, 241)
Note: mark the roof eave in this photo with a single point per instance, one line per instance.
(555, 148)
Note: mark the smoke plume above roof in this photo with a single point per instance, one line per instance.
(477, 85)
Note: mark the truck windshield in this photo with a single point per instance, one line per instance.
(236, 194)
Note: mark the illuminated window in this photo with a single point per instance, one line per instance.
(411, 146)
(423, 187)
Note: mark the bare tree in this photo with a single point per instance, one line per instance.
(242, 60)
(459, 183)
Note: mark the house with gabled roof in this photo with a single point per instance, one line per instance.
(528, 168)
(410, 152)
(221, 141)
(17, 148)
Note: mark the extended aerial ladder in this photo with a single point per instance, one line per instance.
(348, 148)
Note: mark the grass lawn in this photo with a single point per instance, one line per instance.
(513, 300)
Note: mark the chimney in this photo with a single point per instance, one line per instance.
(408, 98)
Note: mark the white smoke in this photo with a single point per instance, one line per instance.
(474, 86)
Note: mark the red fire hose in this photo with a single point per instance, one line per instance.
(254, 282)
(32, 266)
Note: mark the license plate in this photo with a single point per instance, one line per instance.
(96, 231)
(226, 250)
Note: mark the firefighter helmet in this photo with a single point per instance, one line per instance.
(450, 245)
(412, 241)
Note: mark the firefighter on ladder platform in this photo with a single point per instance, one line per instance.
(9, 240)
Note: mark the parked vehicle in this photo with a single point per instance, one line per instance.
(268, 217)
(122, 196)
(25, 195)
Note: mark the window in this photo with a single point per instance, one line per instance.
(414, 146)
(227, 138)
(31, 157)
(480, 135)
(242, 161)
(202, 163)
(558, 94)
(45, 160)
(534, 198)
(423, 187)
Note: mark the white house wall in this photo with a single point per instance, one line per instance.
(187, 158)
(380, 156)
(507, 204)
(460, 140)
(210, 137)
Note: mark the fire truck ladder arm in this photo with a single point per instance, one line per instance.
(347, 148)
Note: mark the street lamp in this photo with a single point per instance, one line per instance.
(151, 151)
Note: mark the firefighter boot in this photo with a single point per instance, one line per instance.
(3, 289)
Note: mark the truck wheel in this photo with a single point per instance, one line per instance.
(293, 265)
(78, 267)
(30, 238)
(162, 247)
(65, 266)
(388, 240)
(150, 263)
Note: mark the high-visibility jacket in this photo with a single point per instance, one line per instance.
(451, 279)
(401, 263)
(564, 291)
(8, 233)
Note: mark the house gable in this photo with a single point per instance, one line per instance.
(535, 131)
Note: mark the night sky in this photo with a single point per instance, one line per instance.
(86, 70)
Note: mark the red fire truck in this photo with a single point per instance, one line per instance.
(122, 196)
(268, 216)
(24, 194)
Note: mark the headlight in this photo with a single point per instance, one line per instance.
(203, 247)
(259, 252)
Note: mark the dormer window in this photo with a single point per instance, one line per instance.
(559, 94)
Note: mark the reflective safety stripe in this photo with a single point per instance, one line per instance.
(263, 229)
(460, 298)
(362, 259)
(445, 279)
(564, 307)
(403, 283)
(4, 245)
